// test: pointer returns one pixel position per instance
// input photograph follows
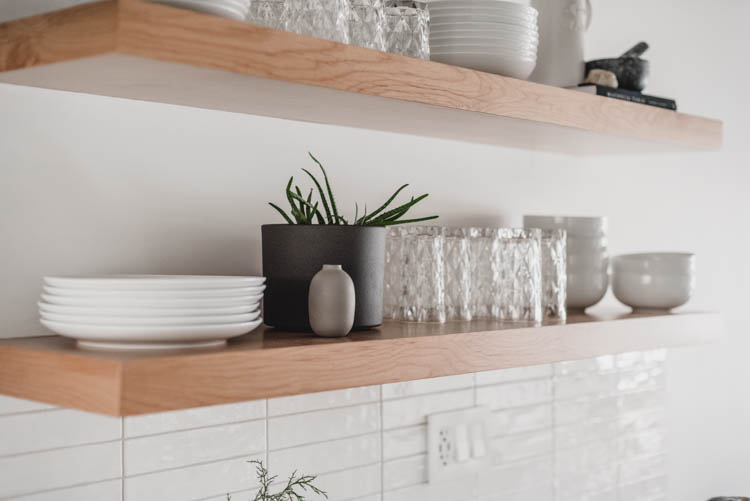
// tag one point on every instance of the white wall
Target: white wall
(92, 184)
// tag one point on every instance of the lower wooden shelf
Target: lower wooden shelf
(269, 363)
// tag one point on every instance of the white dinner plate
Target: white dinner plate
(120, 302)
(117, 321)
(136, 337)
(103, 311)
(491, 63)
(155, 282)
(489, 37)
(222, 10)
(138, 294)
(467, 17)
(483, 49)
(484, 11)
(492, 4)
(504, 29)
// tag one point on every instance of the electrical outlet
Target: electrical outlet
(457, 443)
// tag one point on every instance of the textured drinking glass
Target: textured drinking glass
(327, 19)
(407, 29)
(393, 287)
(267, 13)
(457, 255)
(420, 278)
(516, 263)
(367, 24)
(483, 273)
(554, 273)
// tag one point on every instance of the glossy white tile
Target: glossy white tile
(403, 472)
(651, 489)
(514, 374)
(56, 428)
(640, 469)
(184, 448)
(10, 405)
(39, 471)
(351, 484)
(110, 490)
(402, 442)
(319, 426)
(520, 419)
(511, 448)
(503, 396)
(414, 410)
(459, 489)
(322, 400)
(324, 457)
(162, 422)
(423, 386)
(193, 482)
(512, 477)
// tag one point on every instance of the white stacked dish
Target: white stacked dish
(151, 311)
(487, 35)
(587, 256)
(232, 9)
(653, 281)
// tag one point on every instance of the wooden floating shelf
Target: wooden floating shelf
(137, 50)
(269, 363)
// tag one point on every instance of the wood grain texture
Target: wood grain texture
(357, 81)
(268, 363)
(81, 31)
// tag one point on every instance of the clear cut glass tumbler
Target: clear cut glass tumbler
(516, 262)
(367, 24)
(328, 19)
(267, 13)
(407, 29)
(554, 274)
(457, 256)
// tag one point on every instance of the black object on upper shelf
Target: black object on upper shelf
(628, 95)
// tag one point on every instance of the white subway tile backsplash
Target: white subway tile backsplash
(518, 476)
(403, 442)
(39, 471)
(514, 374)
(11, 405)
(520, 419)
(506, 395)
(640, 469)
(324, 457)
(322, 400)
(110, 490)
(411, 411)
(193, 482)
(423, 386)
(511, 448)
(184, 448)
(351, 484)
(318, 426)
(403, 472)
(150, 424)
(463, 488)
(646, 490)
(56, 428)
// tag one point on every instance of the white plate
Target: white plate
(149, 282)
(103, 311)
(136, 337)
(456, 24)
(490, 63)
(228, 11)
(485, 36)
(493, 4)
(468, 17)
(491, 44)
(170, 321)
(482, 10)
(138, 294)
(119, 302)
(483, 49)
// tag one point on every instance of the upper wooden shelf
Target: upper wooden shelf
(137, 50)
(269, 363)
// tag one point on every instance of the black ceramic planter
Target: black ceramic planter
(292, 254)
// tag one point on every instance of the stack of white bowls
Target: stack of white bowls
(588, 258)
(151, 311)
(232, 9)
(653, 281)
(486, 35)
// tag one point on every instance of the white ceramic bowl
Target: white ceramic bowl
(524, 17)
(482, 27)
(658, 281)
(483, 42)
(482, 49)
(575, 226)
(586, 287)
(468, 16)
(530, 38)
(498, 63)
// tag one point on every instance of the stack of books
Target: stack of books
(627, 95)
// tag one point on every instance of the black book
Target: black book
(627, 95)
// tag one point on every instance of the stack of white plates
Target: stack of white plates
(486, 35)
(233, 9)
(151, 311)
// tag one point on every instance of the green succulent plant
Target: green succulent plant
(306, 210)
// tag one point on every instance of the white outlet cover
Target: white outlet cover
(443, 434)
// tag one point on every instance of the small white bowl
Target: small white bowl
(656, 281)
(586, 287)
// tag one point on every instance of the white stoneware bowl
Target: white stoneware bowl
(656, 281)
(586, 287)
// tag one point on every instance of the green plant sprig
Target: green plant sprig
(289, 492)
(303, 210)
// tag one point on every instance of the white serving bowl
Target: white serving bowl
(575, 226)
(585, 287)
(498, 63)
(658, 281)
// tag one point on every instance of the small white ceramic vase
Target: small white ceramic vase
(330, 302)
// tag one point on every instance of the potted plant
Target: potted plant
(315, 234)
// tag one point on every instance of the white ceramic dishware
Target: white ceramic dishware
(470, 16)
(522, 32)
(135, 337)
(226, 9)
(121, 302)
(515, 67)
(147, 312)
(155, 282)
(155, 293)
(190, 320)
(483, 49)
(653, 281)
